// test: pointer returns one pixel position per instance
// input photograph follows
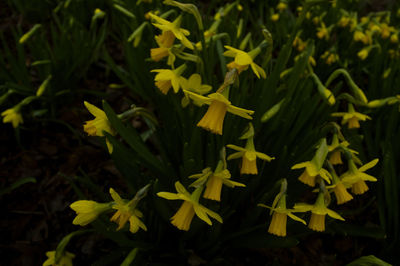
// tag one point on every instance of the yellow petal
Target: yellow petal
(97, 112)
(368, 165)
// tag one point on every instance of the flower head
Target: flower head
(96, 126)
(215, 180)
(173, 27)
(341, 193)
(87, 211)
(352, 117)
(218, 106)
(191, 206)
(311, 172)
(65, 259)
(355, 177)
(279, 216)
(363, 53)
(336, 149)
(193, 84)
(323, 32)
(126, 211)
(243, 60)
(165, 42)
(167, 78)
(318, 212)
(12, 115)
(249, 156)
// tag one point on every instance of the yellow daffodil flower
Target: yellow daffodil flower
(336, 148)
(191, 206)
(355, 177)
(275, 17)
(281, 6)
(351, 117)
(299, 44)
(173, 27)
(96, 126)
(193, 84)
(330, 57)
(363, 53)
(323, 32)
(279, 217)
(218, 106)
(318, 213)
(126, 211)
(394, 38)
(165, 42)
(243, 60)
(87, 211)
(214, 181)
(65, 259)
(13, 116)
(249, 156)
(311, 172)
(167, 78)
(341, 193)
(344, 21)
(386, 30)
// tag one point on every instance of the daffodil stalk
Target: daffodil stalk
(358, 93)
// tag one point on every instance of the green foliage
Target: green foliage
(317, 69)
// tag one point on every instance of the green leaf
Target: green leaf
(17, 184)
(321, 154)
(131, 256)
(64, 242)
(130, 135)
(370, 260)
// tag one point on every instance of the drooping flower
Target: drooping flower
(351, 118)
(13, 116)
(360, 36)
(194, 84)
(275, 17)
(167, 78)
(65, 259)
(165, 42)
(281, 6)
(215, 180)
(191, 206)
(218, 106)
(279, 217)
(323, 32)
(249, 156)
(363, 53)
(341, 193)
(336, 149)
(355, 177)
(299, 44)
(318, 212)
(243, 60)
(330, 57)
(87, 211)
(126, 211)
(96, 126)
(311, 172)
(173, 27)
